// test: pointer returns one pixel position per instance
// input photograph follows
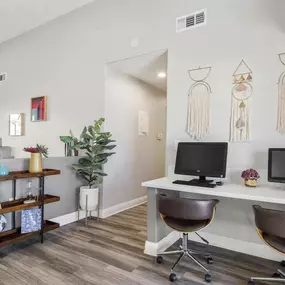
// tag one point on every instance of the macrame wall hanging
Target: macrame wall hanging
(198, 120)
(240, 126)
(281, 99)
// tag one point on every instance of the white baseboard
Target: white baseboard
(73, 217)
(123, 206)
(255, 249)
(153, 249)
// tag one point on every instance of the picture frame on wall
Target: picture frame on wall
(17, 124)
(39, 109)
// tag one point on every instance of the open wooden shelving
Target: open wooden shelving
(26, 174)
(18, 205)
(14, 235)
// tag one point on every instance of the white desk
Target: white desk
(264, 193)
(233, 227)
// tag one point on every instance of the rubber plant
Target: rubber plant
(97, 146)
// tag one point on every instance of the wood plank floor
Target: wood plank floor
(111, 252)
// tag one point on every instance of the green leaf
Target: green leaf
(92, 132)
(109, 147)
(66, 139)
(87, 136)
(83, 132)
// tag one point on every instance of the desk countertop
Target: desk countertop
(265, 193)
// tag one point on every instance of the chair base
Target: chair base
(185, 251)
(277, 277)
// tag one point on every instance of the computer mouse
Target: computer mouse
(219, 183)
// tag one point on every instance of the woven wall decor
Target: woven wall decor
(281, 99)
(240, 125)
(198, 119)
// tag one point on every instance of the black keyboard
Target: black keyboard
(191, 183)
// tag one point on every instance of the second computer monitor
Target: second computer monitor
(202, 159)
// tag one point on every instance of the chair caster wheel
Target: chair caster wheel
(208, 278)
(210, 260)
(159, 259)
(251, 282)
(282, 263)
(276, 275)
(172, 277)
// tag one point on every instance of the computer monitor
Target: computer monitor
(276, 165)
(201, 159)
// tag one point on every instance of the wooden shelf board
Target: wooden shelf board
(26, 174)
(18, 205)
(14, 236)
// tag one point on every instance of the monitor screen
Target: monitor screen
(276, 165)
(202, 159)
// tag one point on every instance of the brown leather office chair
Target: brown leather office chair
(270, 226)
(186, 216)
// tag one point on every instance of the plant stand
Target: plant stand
(86, 210)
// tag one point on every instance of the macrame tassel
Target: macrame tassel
(198, 113)
(281, 106)
(240, 120)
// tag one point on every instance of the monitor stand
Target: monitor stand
(201, 181)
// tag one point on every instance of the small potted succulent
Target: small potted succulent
(37, 152)
(250, 177)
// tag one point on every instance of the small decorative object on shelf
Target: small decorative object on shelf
(250, 177)
(3, 223)
(30, 198)
(36, 164)
(3, 170)
(31, 220)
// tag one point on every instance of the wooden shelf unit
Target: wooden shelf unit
(26, 174)
(18, 205)
(14, 235)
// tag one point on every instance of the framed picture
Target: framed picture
(39, 109)
(16, 124)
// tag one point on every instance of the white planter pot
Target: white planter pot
(92, 194)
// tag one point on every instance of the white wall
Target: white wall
(137, 158)
(65, 60)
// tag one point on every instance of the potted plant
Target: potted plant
(36, 164)
(250, 177)
(96, 145)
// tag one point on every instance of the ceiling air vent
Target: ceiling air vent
(3, 77)
(190, 21)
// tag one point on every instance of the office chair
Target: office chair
(186, 216)
(270, 226)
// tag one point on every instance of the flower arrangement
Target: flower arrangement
(250, 177)
(38, 149)
(36, 157)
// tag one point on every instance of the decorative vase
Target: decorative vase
(92, 198)
(250, 182)
(36, 164)
(3, 170)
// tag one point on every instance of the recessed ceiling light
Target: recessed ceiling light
(161, 74)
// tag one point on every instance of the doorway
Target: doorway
(135, 112)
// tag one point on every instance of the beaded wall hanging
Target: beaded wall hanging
(281, 99)
(198, 120)
(240, 125)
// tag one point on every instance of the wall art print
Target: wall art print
(39, 109)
